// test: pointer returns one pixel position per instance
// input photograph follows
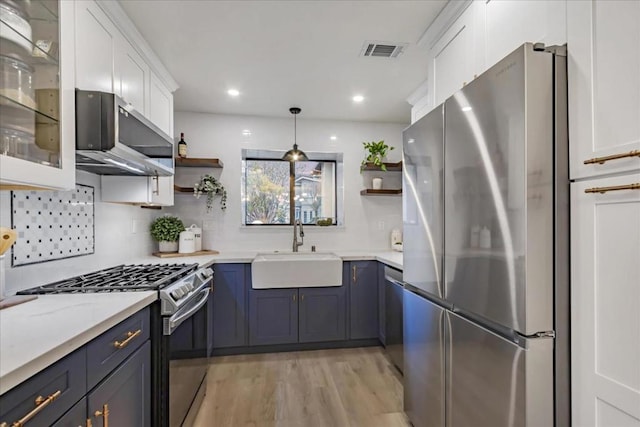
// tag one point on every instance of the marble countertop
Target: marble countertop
(36, 334)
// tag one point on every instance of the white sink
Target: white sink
(296, 270)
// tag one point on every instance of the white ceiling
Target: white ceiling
(280, 54)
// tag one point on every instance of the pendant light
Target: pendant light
(295, 155)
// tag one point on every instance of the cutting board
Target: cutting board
(15, 300)
(176, 254)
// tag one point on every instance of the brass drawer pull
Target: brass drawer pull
(602, 190)
(602, 160)
(293, 297)
(104, 414)
(353, 274)
(130, 335)
(41, 403)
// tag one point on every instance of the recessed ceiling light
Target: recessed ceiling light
(465, 109)
(246, 132)
(358, 98)
(333, 137)
(233, 92)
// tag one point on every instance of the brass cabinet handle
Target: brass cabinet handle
(602, 160)
(41, 403)
(354, 278)
(130, 335)
(89, 423)
(602, 190)
(293, 297)
(302, 297)
(104, 414)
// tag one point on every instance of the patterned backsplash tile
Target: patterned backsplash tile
(52, 224)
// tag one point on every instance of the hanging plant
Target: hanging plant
(377, 151)
(210, 186)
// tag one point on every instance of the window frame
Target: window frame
(292, 191)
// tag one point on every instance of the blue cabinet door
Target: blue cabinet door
(126, 392)
(75, 417)
(363, 299)
(322, 314)
(273, 316)
(230, 305)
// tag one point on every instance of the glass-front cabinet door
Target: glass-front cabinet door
(37, 99)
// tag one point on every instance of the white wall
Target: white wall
(114, 242)
(368, 220)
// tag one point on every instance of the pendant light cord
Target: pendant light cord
(295, 132)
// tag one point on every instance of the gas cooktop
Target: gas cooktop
(122, 278)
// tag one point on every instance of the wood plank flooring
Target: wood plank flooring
(325, 388)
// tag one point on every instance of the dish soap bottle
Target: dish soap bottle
(182, 146)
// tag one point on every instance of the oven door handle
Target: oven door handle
(176, 320)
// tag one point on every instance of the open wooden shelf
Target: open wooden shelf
(189, 162)
(371, 192)
(391, 167)
(178, 189)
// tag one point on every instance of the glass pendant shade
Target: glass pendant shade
(295, 155)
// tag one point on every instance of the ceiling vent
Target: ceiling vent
(382, 49)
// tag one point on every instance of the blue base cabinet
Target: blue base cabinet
(99, 384)
(273, 316)
(362, 277)
(322, 314)
(125, 393)
(230, 305)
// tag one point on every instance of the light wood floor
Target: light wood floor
(325, 388)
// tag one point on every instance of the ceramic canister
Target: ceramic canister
(197, 232)
(187, 242)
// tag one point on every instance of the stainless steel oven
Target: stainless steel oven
(185, 348)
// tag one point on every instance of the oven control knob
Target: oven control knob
(207, 272)
(177, 293)
(189, 286)
(185, 289)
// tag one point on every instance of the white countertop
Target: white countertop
(36, 334)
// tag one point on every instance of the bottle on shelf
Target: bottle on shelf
(182, 146)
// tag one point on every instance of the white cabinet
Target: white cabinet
(605, 317)
(454, 57)
(132, 77)
(604, 85)
(509, 24)
(160, 105)
(37, 142)
(95, 42)
(138, 190)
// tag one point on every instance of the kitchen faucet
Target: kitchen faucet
(296, 245)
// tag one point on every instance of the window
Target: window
(269, 191)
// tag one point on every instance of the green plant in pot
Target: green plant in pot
(376, 153)
(210, 186)
(166, 231)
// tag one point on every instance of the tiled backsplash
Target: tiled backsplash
(52, 224)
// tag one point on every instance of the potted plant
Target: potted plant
(166, 231)
(377, 151)
(210, 186)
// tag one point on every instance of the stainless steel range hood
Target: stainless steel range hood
(114, 139)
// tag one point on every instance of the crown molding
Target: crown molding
(447, 16)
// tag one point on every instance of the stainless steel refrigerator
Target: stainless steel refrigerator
(485, 198)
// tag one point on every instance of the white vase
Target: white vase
(165, 246)
(377, 183)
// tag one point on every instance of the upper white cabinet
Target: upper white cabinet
(37, 95)
(96, 39)
(160, 105)
(132, 76)
(454, 57)
(468, 37)
(113, 57)
(604, 85)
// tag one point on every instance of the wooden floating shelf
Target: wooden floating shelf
(176, 254)
(391, 167)
(178, 189)
(188, 162)
(371, 192)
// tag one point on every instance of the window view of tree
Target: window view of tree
(267, 194)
